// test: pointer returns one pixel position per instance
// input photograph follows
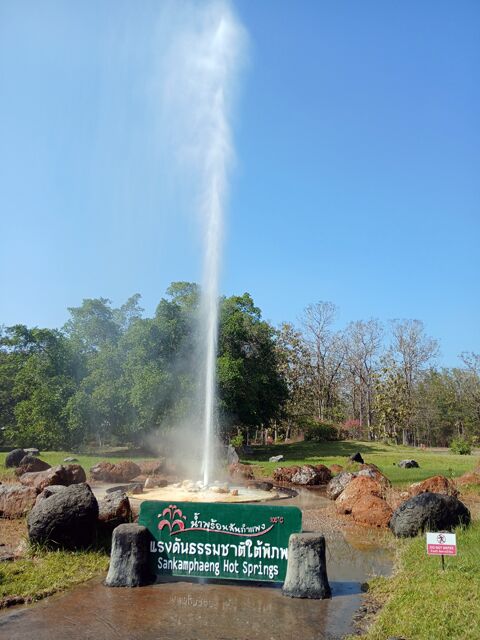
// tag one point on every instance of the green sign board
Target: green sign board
(218, 540)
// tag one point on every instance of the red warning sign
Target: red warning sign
(441, 544)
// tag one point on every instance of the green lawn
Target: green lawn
(42, 573)
(328, 453)
(57, 457)
(384, 456)
(422, 602)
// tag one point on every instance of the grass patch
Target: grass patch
(383, 455)
(43, 573)
(423, 602)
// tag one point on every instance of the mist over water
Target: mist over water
(202, 64)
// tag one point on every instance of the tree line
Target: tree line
(112, 375)
(378, 381)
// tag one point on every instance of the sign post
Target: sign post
(219, 540)
(442, 544)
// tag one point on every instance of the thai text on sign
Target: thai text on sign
(216, 540)
(441, 544)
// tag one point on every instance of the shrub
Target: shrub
(461, 446)
(315, 431)
(237, 441)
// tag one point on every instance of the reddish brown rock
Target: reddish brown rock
(16, 500)
(125, 470)
(356, 489)
(336, 468)
(64, 475)
(309, 475)
(240, 471)
(369, 465)
(471, 477)
(151, 467)
(436, 484)
(103, 471)
(374, 472)
(338, 483)
(122, 471)
(372, 511)
(31, 463)
(396, 498)
(41, 479)
(75, 474)
(114, 509)
(324, 473)
(285, 474)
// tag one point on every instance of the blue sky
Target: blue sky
(358, 149)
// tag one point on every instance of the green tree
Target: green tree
(128, 313)
(251, 388)
(44, 381)
(13, 354)
(159, 362)
(471, 362)
(99, 409)
(445, 409)
(93, 324)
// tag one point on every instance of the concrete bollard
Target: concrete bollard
(129, 557)
(306, 569)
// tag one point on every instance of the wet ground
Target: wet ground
(184, 611)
